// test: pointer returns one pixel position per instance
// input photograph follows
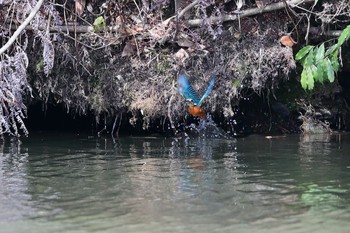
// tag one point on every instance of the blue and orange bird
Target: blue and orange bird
(185, 88)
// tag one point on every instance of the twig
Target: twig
(76, 60)
(334, 33)
(120, 122)
(176, 2)
(308, 29)
(192, 23)
(104, 128)
(187, 8)
(115, 122)
(245, 13)
(22, 26)
(177, 15)
(120, 117)
(169, 109)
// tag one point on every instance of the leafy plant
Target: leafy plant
(320, 64)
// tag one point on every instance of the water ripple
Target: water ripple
(174, 185)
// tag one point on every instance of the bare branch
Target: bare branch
(193, 22)
(22, 27)
(187, 8)
(245, 13)
(330, 33)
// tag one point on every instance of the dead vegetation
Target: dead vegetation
(128, 62)
(314, 122)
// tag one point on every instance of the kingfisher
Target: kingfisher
(185, 88)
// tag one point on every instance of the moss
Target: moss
(39, 67)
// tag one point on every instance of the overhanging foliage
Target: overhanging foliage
(123, 56)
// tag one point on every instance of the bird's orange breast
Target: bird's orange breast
(196, 111)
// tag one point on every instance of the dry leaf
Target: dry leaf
(287, 41)
(184, 42)
(130, 31)
(128, 50)
(237, 35)
(157, 32)
(181, 55)
(79, 6)
(260, 4)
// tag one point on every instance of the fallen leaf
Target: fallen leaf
(130, 31)
(79, 6)
(181, 55)
(128, 50)
(287, 41)
(184, 42)
(260, 4)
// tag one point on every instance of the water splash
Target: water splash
(206, 129)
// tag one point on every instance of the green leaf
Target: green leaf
(99, 24)
(307, 80)
(325, 69)
(310, 78)
(321, 72)
(331, 50)
(320, 64)
(99, 20)
(309, 60)
(335, 61)
(303, 79)
(39, 67)
(303, 52)
(344, 36)
(330, 70)
(315, 73)
(235, 83)
(320, 53)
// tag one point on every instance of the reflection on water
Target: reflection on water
(65, 183)
(316, 144)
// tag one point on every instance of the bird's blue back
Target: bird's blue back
(187, 91)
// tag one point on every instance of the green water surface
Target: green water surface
(78, 183)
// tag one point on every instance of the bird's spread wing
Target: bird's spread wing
(186, 89)
(207, 92)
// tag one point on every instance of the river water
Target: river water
(56, 182)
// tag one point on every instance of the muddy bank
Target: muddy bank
(115, 65)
